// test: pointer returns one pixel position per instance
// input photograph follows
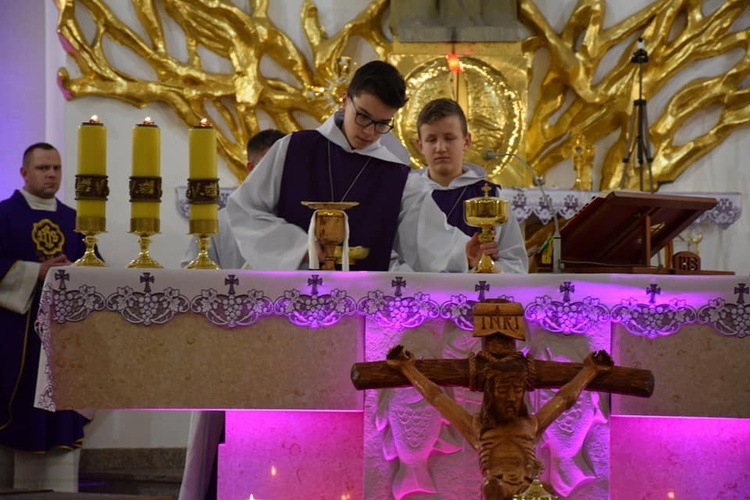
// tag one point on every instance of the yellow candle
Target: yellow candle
(146, 163)
(208, 211)
(203, 151)
(203, 166)
(92, 160)
(92, 147)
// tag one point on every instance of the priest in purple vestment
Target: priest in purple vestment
(345, 159)
(36, 234)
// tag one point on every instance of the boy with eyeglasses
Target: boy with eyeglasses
(345, 159)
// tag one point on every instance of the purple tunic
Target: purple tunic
(31, 235)
(451, 202)
(376, 184)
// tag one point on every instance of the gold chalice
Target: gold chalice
(485, 212)
(330, 227)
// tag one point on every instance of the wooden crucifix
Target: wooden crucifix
(503, 432)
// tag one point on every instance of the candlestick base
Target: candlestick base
(89, 257)
(144, 259)
(203, 261)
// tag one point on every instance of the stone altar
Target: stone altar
(283, 341)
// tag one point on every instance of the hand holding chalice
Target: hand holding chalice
(485, 212)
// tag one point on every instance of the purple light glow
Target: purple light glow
(282, 454)
(651, 457)
(679, 457)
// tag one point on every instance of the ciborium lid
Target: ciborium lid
(485, 210)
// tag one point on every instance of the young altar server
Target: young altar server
(345, 159)
(442, 138)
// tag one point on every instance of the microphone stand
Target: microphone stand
(539, 182)
(637, 138)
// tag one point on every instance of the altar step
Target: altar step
(148, 472)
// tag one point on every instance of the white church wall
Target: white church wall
(21, 90)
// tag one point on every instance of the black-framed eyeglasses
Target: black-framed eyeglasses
(364, 121)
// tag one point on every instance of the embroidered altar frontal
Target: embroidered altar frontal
(203, 322)
(130, 338)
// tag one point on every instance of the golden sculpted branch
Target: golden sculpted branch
(577, 97)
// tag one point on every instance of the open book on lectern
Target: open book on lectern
(620, 231)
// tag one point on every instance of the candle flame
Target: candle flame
(147, 121)
(94, 119)
(204, 122)
(454, 63)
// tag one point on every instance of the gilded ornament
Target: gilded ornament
(577, 92)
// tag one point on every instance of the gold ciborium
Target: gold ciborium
(485, 212)
(330, 227)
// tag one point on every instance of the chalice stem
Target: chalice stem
(486, 264)
(330, 258)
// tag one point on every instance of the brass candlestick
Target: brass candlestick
(90, 227)
(145, 196)
(330, 227)
(203, 192)
(485, 212)
(203, 261)
(91, 197)
(144, 228)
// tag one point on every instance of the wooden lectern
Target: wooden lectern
(619, 232)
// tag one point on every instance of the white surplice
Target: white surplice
(430, 244)
(267, 241)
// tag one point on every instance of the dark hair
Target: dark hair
(437, 109)
(263, 140)
(382, 80)
(37, 145)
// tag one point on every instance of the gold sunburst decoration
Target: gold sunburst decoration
(498, 113)
(576, 96)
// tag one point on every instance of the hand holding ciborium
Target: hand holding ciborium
(330, 229)
(485, 212)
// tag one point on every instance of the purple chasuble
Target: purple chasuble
(376, 184)
(451, 202)
(31, 235)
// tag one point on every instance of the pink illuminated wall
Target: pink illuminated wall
(291, 454)
(685, 458)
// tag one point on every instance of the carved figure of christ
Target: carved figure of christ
(503, 432)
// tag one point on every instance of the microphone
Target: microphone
(538, 182)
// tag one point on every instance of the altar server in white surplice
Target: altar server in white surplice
(429, 235)
(349, 158)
